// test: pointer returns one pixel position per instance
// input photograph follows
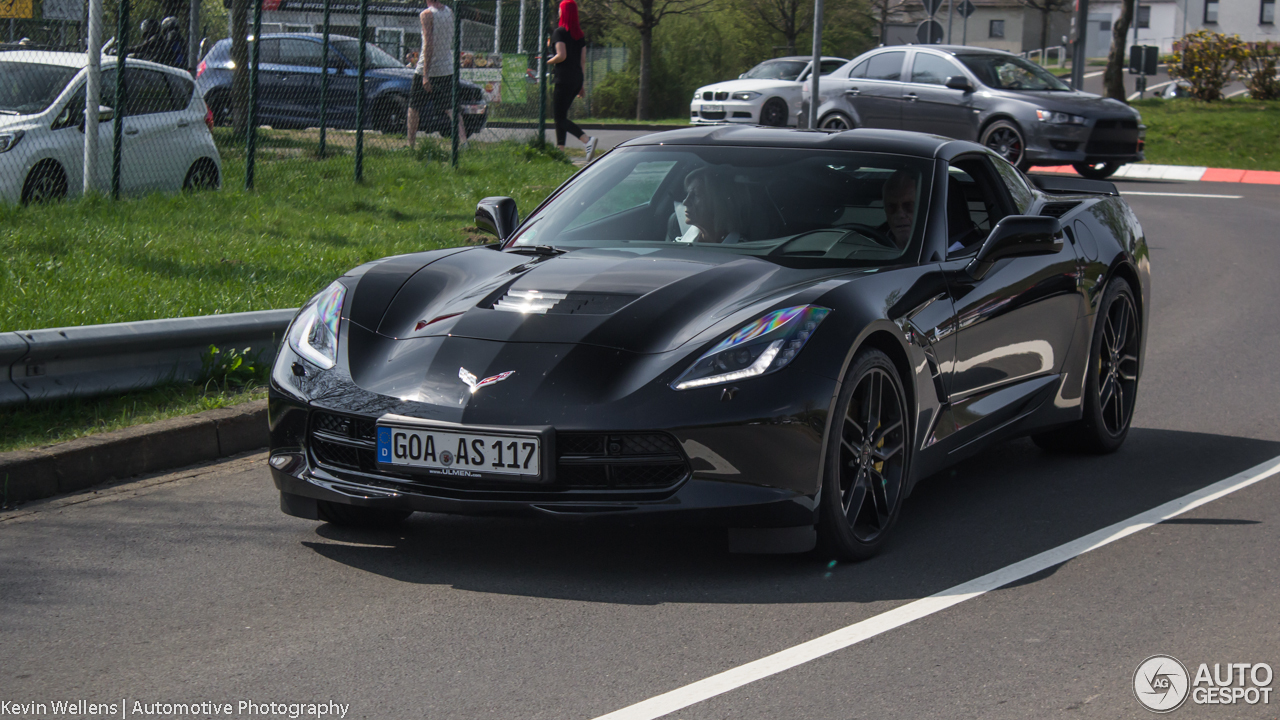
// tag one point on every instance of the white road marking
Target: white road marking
(1095, 74)
(1241, 91)
(707, 688)
(1153, 88)
(1198, 195)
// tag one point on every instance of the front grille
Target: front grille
(583, 460)
(712, 115)
(708, 95)
(722, 95)
(742, 114)
(1113, 137)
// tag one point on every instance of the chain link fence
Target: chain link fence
(181, 105)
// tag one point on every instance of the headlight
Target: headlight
(314, 333)
(1059, 118)
(697, 94)
(8, 140)
(747, 95)
(757, 348)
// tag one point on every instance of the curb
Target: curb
(177, 442)
(1190, 173)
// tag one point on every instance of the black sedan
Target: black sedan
(777, 331)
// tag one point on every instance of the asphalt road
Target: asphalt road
(193, 586)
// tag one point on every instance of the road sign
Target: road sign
(929, 32)
(15, 8)
(931, 6)
(62, 9)
(965, 9)
(1143, 59)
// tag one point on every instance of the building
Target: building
(1162, 22)
(1009, 25)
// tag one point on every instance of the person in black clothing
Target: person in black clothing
(571, 55)
(174, 53)
(151, 46)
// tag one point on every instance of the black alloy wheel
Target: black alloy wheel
(774, 113)
(836, 121)
(355, 516)
(203, 175)
(1006, 139)
(46, 182)
(1111, 381)
(868, 455)
(1097, 171)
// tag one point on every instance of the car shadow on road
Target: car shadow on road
(1002, 506)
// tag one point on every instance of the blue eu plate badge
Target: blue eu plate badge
(384, 444)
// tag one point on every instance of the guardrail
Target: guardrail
(98, 359)
(1041, 55)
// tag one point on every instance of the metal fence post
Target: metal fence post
(251, 132)
(363, 59)
(324, 76)
(457, 73)
(542, 72)
(93, 98)
(117, 134)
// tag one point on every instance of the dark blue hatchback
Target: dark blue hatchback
(289, 75)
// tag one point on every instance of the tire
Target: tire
(1111, 380)
(391, 115)
(1097, 171)
(219, 103)
(203, 175)
(869, 445)
(837, 122)
(475, 124)
(1006, 138)
(47, 182)
(774, 113)
(355, 516)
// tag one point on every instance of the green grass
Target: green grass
(1236, 133)
(28, 426)
(95, 261)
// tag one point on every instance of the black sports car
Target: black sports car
(777, 331)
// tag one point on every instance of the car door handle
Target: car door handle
(130, 130)
(911, 97)
(183, 123)
(853, 91)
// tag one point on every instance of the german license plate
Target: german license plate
(712, 107)
(451, 452)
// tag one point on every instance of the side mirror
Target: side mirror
(959, 82)
(497, 216)
(1017, 236)
(106, 114)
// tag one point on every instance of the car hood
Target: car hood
(1076, 103)
(17, 122)
(640, 303)
(749, 84)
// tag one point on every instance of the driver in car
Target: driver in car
(900, 205)
(711, 208)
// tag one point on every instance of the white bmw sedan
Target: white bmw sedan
(767, 94)
(166, 140)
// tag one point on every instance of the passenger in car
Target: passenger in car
(900, 205)
(713, 206)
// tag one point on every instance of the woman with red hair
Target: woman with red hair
(570, 58)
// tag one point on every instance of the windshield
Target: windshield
(27, 88)
(375, 56)
(777, 70)
(1004, 72)
(820, 207)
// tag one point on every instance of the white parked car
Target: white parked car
(767, 94)
(166, 145)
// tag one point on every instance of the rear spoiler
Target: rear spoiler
(1066, 185)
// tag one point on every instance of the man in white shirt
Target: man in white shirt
(432, 89)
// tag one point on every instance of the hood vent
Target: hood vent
(1058, 209)
(536, 302)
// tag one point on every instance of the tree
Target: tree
(644, 16)
(789, 18)
(1113, 78)
(881, 11)
(1047, 8)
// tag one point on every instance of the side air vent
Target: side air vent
(547, 303)
(1057, 210)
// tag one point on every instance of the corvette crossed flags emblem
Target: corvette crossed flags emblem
(475, 385)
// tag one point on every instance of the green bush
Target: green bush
(615, 96)
(1263, 81)
(1208, 61)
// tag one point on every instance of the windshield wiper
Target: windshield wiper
(537, 250)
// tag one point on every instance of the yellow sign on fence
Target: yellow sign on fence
(15, 8)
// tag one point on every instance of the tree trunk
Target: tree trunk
(646, 62)
(1113, 78)
(240, 74)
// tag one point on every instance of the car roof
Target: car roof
(79, 60)
(948, 49)
(898, 142)
(803, 58)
